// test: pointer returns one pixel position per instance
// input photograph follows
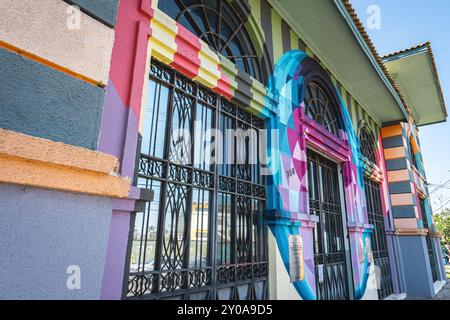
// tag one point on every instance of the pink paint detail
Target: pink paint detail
(139, 67)
(418, 209)
(319, 138)
(303, 205)
(187, 60)
(146, 9)
(284, 192)
(224, 85)
(120, 119)
(385, 202)
(128, 51)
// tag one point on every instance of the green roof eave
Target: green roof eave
(415, 72)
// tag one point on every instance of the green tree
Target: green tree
(442, 222)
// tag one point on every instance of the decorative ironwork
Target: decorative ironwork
(431, 256)
(367, 143)
(379, 240)
(329, 249)
(222, 26)
(320, 107)
(204, 233)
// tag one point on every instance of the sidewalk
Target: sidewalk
(444, 294)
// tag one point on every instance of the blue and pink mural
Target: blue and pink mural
(288, 199)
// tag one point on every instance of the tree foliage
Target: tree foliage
(442, 222)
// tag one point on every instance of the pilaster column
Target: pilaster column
(411, 236)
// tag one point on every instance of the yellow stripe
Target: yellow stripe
(208, 73)
(164, 32)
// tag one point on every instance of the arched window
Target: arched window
(367, 142)
(321, 108)
(221, 26)
(375, 214)
(412, 154)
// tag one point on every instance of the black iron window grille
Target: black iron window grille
(379, 240)
(222, 25)
(329, 248)
(320, 107)
(429, 240)
(204, 236)
(376, 218)
(367, 144)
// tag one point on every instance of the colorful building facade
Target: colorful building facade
(316, 191)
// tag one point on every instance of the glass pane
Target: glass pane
(217, 23)
(243, 230)
(198, 250)
(153, 137)
(175, 227)
(258, 231)
(145, 231)
(224, 223)
(227, 153)
(203, 153)
(180, 142)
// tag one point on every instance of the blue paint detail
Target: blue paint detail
(287, 77)
(396, 164)
(354, 143)
(45, 103)
(400, 187)
(104, 11)
(393, 142)
(400, 212)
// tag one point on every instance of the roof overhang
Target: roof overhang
(415, 72)
(331, 32)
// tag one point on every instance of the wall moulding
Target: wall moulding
(42, 163)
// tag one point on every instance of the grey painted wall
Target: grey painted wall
(416, 266)
(42, 233)
(46, 103)
(104, 11)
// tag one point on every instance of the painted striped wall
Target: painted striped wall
(55, 71)
(400, 175)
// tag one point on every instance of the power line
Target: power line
(443, 206)
(444, 185)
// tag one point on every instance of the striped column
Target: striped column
(400, 178)
(409, 234)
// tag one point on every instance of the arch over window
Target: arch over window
(367, 142)
(221, 26)
(320, 106)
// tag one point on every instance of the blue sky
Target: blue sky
(404, 24)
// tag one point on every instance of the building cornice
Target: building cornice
(35, 162)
